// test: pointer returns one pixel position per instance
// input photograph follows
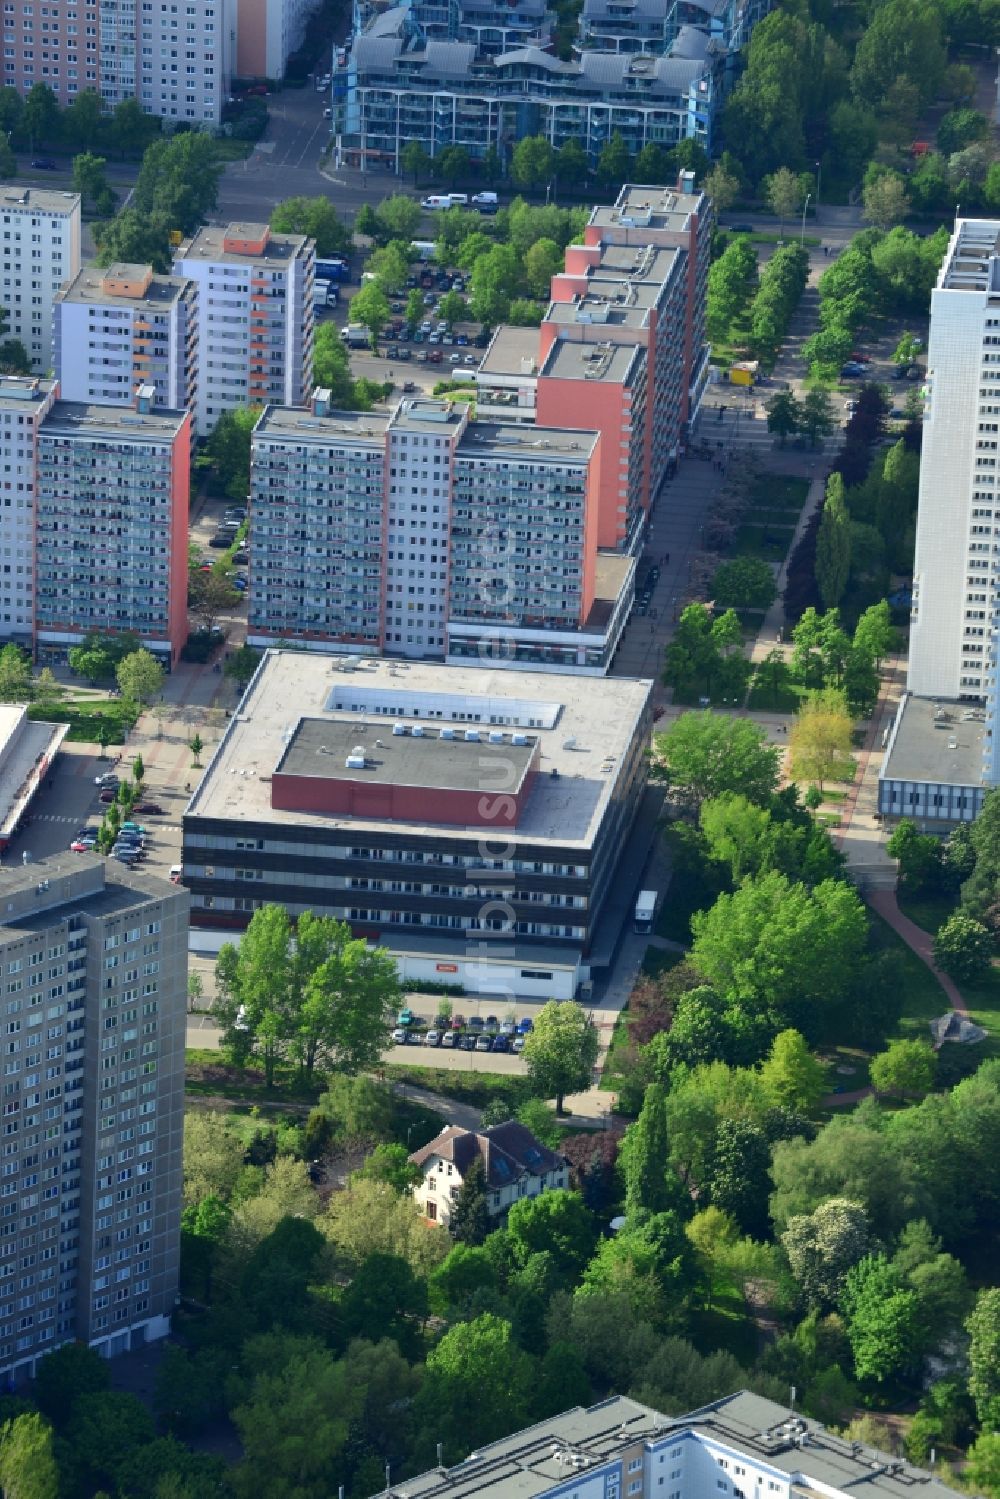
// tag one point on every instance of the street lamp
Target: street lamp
(819, 175)
(805, 208)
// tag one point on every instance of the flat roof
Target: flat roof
(518, 440)
(209, 241)
(509, 347)
(649, 207)
(86, 418)
(611, 573)
(36, 200)
(89, 286)
(122, 888)
(970, 262)
(585, 727)
(320, 748)
(23, 391)
(599, 360)
(303, 425)
(540, 1458)
(937, 739)
(426, 414)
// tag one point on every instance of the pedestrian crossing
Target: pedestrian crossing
(82, 818)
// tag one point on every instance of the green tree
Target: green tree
(905, 1069)
(399, 216)
(791, 1076)
(963, 948)
(254, 991)
(414, 308)
(723, 187)
(466, 1271)
(816, 419)
(652, 164)
(614, 162)
(241, 664)
(140, 677)
(11, 110)
(543, 260)
(131, 127)
(874, 633)
(744, 583)
(823, 1246)
(40, 117)
(531, 162)
(371, 308)
(883, 1319)
(196, 745)
(706, 754)
(294, 1425)
(711, 1233)
(643, 1157)
(8, 161)
(496, 277)
(982, 1468)
(561, 1050)
(390, 267)
(332, 368)
(476, 1386)
(470, 1220)
(318, 221)
(983, 1327)
(783, 948)
(556, 1223)
(731, 280)
(833, 544)
(885, 200)
(90, 172)
(903, 42)
(210, 595)
(571, 164)
(103, 1431)
(452, 308)
(136, 237)
(773, 676)
(82, 119)
(381, 1298)
(415, 159)
(179, 180)
(784, 415)
(343, 995)
(783, 190)
(737, 1180)
(28, 1467)
(453, 164)
(228, 450)
(15, 675)
(820, 739)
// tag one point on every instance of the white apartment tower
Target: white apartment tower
(255, 317)
(118, 329)
(94, 966)
(24, 404)
(39, 253)
(956, 584)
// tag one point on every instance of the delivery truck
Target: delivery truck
(645, 910)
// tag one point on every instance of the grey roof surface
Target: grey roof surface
(658, 208)
(534, 57)
(508, 1152)
(592, 724)
(519, 440)
(690, 42)
(87, 419)
(374, 52)
(89, 286)
(22, 392)
(319, 749)
(508, 347)
(122, 888)
(530, 1462)
(427, 414)
(207, 244)
(449, 57)
(935, 740)
(611, 573)
(604, 363)
(36, 200)
(388, 22)
(300, 423)
(652, 10)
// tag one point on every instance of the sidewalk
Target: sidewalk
(922, 943)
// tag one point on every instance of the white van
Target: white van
(436, 203)
(458, 200)
(485, 200)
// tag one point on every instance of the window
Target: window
(431, 1211)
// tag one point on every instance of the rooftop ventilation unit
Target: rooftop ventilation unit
(472, 735)
(356, 759)
(518, 738)
(399, 728)
(417, 731)
(447, 733)
(496, 736)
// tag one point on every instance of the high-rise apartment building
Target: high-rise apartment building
(956, 580)
(175, 59)
(112, 525)
(117, 329)
(427, 535)
(255, 317)
(55, 44)
(24, 404)
(39, 253)
(94, 966)
(267, 33)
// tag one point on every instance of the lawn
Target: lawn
(613, 1071)
(86, 716)
(769, 542)
(726, 1324)
(785, 700)
(778, 492)
(928, 911)
(475, 1088)
(923, 997)
(656, 961)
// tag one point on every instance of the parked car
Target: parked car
(458, 1022)
(433, 1038)
(484, 1043)
(435, 356)
(82, 845)
(461, 339)
(404, 354)
(476, 1023)
(408, 387)
(518, 1043)
(45, 164)
(508, 1027)
(524, 1025)
(130, 826)
(414, 1038)
(450, 1039)
(501, 1043)
(399, 1036)
(108, 795)
(468, 1042)
(107, 779)
(741, 229)
(405, 1017)
(492, 1022)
